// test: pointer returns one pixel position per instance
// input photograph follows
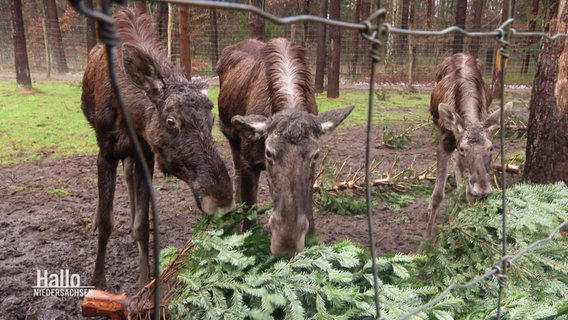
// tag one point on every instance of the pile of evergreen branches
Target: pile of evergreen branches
(469, 244)
(234, 276)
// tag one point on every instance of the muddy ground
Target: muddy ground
(47, 207)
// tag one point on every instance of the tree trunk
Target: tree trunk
(410, 43)
(213, 38)
(170, 30)
(141, 5)
(306, 11)
(429, 11)
(321, 50)
(461, 11)
(355, 53)
(256, 22)
(23, 77)
(160, 16)
(391, 40)
(90, 28)
(184, 40)
(334, 51)
(476, 26)
(54, 33)
(46, 46)
(403, 42)
(530, 40)
(496, 85)
(547, 135)
(365, 46)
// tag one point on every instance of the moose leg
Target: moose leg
(140, 197)
(236, 152)
(249, 189)
(129, 167)
(248, 180)
(106, 174)
(457, 169)
(442, 164)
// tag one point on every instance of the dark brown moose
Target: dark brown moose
(459, 106)
(269, 115)
(172, 118)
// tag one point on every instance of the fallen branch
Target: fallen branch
(510, 168)
(356, 179)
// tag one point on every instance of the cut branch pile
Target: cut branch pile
(356, 179)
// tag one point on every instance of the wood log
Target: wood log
(102, 303)
(510, 168)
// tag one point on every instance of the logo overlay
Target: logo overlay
(59, 284)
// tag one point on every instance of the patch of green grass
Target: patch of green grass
(396, 106)
(48, 121)
(45, 122)
(57, 192)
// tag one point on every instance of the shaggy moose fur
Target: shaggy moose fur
(172, 118)
(459, 104)
(268, 113)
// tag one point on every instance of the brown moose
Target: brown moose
(459, 106)
(269, 115)
(172, 118)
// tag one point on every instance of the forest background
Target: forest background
(58, 39)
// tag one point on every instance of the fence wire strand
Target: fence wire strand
(375, 29)
(376, 42)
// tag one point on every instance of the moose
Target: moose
(171, 117)
(269, 115)
(459, 107)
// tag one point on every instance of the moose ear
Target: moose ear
(449, 119)
(492, 122)
(251, 127)
(203, 87)
(142, 71)
(332, 118)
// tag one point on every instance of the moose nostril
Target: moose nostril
(480, 191)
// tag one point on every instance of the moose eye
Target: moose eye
(269, 155)
(316, 155)
(171, 122)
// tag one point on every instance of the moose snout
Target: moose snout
(283, 246)
(478, 190)
(287, 238)
(210, 205)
